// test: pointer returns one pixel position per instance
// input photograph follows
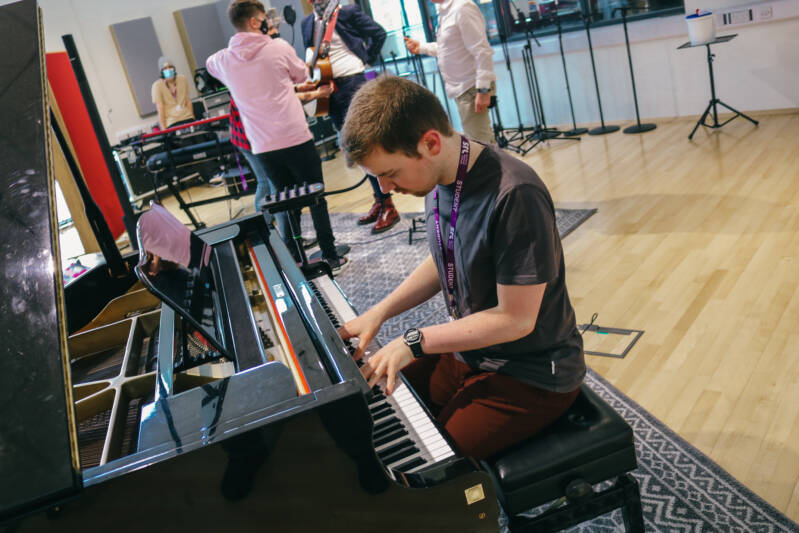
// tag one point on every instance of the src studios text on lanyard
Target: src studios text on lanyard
(448, 253)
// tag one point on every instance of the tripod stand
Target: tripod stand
(715, 102)
(517, 140)
(638, 128)
(540, 131)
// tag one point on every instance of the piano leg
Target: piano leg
(348, 423)
(245, 456)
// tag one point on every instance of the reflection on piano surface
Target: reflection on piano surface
(276, 418)
(140, 415)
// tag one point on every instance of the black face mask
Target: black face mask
(264, 27)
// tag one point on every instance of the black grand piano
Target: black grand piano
(235, 406)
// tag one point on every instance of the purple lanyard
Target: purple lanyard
(448, 253)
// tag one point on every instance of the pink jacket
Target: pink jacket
(260, 73)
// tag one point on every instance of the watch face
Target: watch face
(412, 335)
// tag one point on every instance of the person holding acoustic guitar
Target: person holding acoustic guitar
(351, 40)
(263, 76)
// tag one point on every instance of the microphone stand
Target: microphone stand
(637, 128)
(575, 130)
(540, 132)
(603, 129)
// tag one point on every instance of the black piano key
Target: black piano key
(405, 452)
(394, 435)
(383, 410)
(413, 463)
(392, 426)
(379, 397)
(397, 426)
(398, 447)
(383, 425)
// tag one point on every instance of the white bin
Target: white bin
(701, 27)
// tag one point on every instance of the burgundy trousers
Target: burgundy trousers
(484, 412)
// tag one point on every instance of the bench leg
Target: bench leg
(623, 494)
(631, 511)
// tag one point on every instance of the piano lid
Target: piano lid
(38, 457)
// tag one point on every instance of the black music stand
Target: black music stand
(714, 102)
(558, 15)
(603, 129)
(638, 127)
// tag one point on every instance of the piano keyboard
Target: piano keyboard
(405, 437)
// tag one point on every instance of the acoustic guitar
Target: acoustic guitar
(321, 70)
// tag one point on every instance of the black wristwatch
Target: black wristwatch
(413, 338)
(486, 90)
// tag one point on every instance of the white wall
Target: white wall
(756, 71)
(88, 22)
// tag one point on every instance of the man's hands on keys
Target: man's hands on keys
(387, 361)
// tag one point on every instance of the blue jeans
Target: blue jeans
(339, 104)
(264, 187)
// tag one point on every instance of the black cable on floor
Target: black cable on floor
(348, 189)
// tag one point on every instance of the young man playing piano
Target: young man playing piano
(263, 76)
(355, 42)
(511, 359)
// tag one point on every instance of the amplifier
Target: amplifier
(216, 104)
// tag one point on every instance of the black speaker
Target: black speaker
(206, 83)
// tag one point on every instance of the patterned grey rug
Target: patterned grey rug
(681, 488)
(381, 262)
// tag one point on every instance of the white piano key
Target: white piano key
(415, 420)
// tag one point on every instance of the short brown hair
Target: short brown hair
(392, 113)
(240, 11)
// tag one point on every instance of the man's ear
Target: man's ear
(430, 143)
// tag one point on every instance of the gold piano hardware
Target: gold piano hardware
(474, 494)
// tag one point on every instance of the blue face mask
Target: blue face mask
(168, 73)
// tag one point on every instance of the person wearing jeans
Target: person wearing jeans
(262, 75)
(356, 41)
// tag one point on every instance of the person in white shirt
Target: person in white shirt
(465, 60)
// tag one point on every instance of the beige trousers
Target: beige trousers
(476, 126)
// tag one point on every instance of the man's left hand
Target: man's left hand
(481, 102)
(389, 360)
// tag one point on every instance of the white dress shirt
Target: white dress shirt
(465, 58)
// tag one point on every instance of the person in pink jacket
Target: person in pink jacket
(264, 76)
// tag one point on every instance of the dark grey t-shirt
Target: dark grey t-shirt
(506, 233)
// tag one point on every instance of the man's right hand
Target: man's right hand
(324, 90)
(412, 45)
(365, 327)
(305, 86)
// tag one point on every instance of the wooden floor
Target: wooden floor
(697, 243)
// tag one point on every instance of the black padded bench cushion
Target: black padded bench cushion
(590, 442)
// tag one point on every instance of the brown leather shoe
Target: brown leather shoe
(372, 215)
(388, 217)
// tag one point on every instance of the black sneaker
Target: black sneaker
(338, 265)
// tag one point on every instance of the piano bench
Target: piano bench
(589, 444)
